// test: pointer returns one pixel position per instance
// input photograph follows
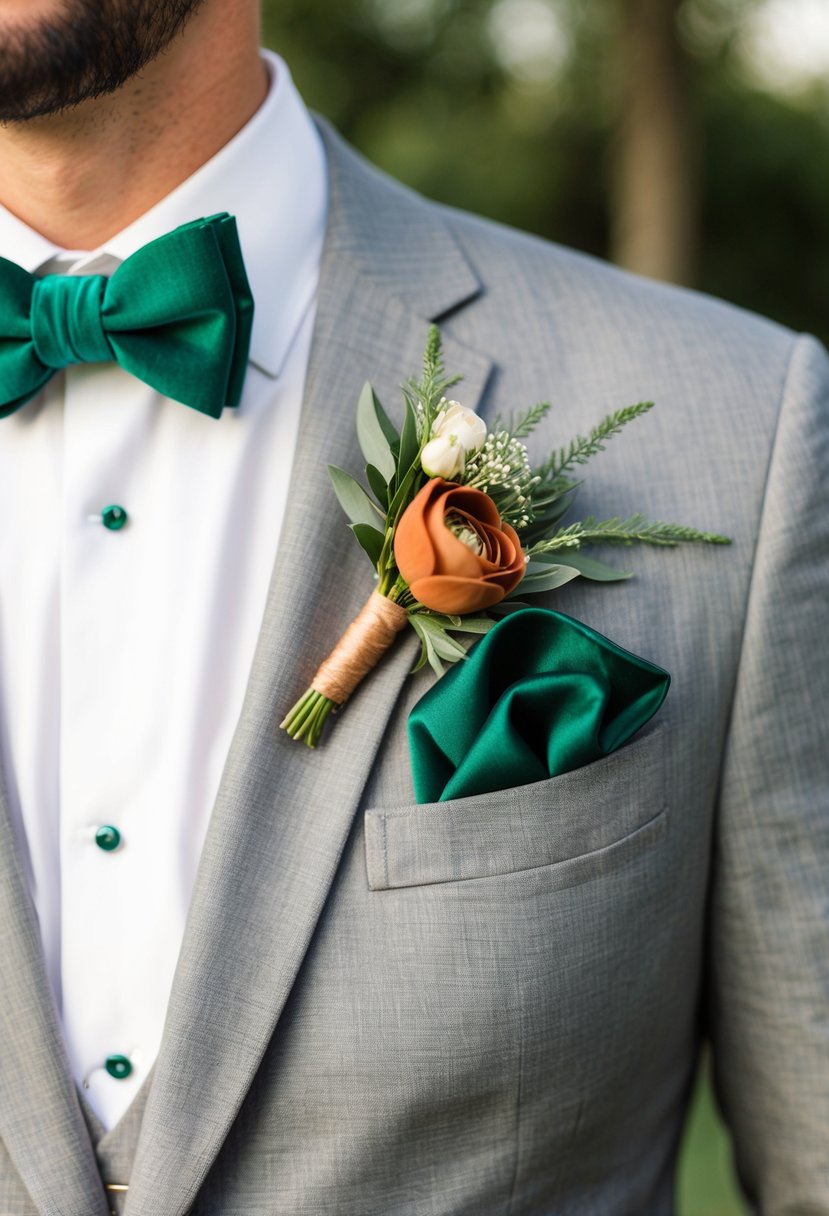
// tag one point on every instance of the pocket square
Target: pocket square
(540, 695)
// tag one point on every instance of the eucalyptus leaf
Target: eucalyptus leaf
(428, 647)
(388, 427)
(353, 499)
(597, 571)
(546, 513)
(554, 509)
(374, 443)
(379, 486)
(465, 624)
(444, 645)
(447, 648)
(371, 540)
(409, 443)
(434, 659)
(403, 493)
(542, 577)
(422, 659)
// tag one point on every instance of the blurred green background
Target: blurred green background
(684, 139)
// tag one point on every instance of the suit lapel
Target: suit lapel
(41, 1122)
(283, 813)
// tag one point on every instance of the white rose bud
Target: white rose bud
(443, 457)
(454, 421)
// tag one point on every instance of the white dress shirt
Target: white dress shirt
(125, 653)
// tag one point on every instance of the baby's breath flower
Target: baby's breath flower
(502, 469)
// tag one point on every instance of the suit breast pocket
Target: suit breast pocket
(580, 825)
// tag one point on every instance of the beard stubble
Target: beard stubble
(85, 50)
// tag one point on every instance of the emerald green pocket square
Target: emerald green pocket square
(540, 695)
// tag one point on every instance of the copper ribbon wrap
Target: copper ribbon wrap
(360, 649)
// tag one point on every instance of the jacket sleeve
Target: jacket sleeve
(768, 984)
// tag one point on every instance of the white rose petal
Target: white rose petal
(443, 457)
(463, 426)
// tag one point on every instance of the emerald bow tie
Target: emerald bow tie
(177, 314)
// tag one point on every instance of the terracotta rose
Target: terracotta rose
(453, 550)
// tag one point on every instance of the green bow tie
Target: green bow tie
(177, 314)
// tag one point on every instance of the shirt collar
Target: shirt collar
(272, 176)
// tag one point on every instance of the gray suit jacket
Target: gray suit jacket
(495, 1005)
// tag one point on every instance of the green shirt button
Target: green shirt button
(108, 838)
(114, 517)
(118, 1067)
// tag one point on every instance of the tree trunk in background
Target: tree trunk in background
(654, 189)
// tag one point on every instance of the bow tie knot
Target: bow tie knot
(67, 326)
(177, 314)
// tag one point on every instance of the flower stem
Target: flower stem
(358, 651)
(307, 718)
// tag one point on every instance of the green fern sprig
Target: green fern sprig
(425, 395)
(637, 529)
(524, 424)
(580, 449)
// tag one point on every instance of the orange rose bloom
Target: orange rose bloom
(449, 574)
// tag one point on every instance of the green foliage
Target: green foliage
(379, 486)
(353, 499)
(765, 217)
(376, 434)
(544, 576)
(634, 530)
(524, 424)
(437, 646)
(425, 90)
(371, 540)
(706, 1182)
(426, 395)
(590, 568)
(554, 491)
(533, 499)
(562, 463)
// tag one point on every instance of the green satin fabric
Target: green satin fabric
(540, 695)
(177, 314)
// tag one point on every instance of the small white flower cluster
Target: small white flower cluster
(456, 434)
(502, 469)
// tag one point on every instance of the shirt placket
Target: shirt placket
(99, 794)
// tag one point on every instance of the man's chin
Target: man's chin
(35, 75)
(56, 54)
(16, 111)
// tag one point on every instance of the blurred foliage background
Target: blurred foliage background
(684, 139)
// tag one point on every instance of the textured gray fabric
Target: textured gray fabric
(115, 1149)
(522, 828)
(496, 1007)
(46, 1158)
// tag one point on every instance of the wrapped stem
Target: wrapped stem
(358, 652)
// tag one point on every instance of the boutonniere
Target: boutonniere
(460, 527)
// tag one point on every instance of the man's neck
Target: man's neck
(79, 177)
